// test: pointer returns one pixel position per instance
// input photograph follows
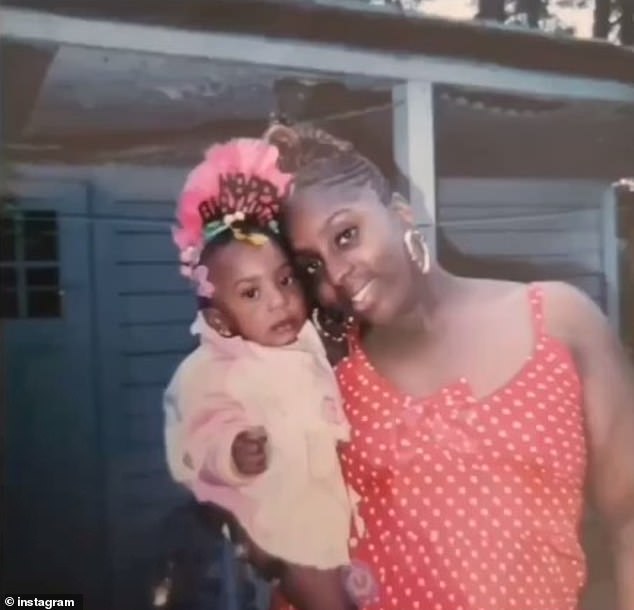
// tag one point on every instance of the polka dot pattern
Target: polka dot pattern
(471, 504)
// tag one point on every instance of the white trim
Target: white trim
(122, 181)
(610, 256)
(312, 57)
(536, 191)
(414, 152)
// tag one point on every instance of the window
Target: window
(29, 265)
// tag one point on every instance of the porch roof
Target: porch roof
(387, 31)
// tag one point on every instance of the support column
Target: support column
(610, 257)
(414, 152)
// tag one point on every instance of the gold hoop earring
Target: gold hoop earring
(338, 337)
(417, 250)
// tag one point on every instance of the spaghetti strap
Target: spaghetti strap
(536, 300)
(353, 338)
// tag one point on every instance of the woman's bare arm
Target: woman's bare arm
(608, 387)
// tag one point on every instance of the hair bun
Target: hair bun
(288, 142)
(301, 145)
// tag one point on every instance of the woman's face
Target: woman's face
(352, 248)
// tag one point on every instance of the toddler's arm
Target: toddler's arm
(211, 434)
(202, 424)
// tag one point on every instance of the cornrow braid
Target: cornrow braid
(319, 160)
(350, 171)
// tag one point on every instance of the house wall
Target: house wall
(51, 471)
(527, 230)
(142, 309)
(141, 312)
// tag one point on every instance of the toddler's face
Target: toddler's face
(256, 293)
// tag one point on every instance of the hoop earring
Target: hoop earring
(417, 250)
(339, 337)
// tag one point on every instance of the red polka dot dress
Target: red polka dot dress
(470, 504)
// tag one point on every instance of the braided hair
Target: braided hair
(318, 160)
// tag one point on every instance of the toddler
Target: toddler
(253, 415)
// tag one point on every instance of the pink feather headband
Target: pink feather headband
(237, 182)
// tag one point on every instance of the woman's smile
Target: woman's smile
(364, 297)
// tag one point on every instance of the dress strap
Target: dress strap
(536, 300)
(353, 339)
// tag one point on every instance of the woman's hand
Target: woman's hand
(249, 451)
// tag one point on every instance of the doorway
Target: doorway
(52, 539)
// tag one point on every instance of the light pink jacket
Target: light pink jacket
(227, 385)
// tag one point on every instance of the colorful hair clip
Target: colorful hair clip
(200, 278)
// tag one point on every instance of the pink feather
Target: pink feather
(248, 156)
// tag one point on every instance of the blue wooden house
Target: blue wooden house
(510, 142)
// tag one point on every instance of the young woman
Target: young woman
(479, 409)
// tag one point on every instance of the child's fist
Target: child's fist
(249, 451)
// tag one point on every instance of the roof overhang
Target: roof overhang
(304, 36)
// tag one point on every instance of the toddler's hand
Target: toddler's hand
(249, 451)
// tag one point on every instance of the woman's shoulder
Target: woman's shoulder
(554, 291)
(491, 289)
(564, 311)
(570, 314)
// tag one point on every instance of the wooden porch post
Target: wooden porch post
(414, 152)
(610, 255)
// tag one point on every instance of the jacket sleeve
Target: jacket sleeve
(201, 423)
